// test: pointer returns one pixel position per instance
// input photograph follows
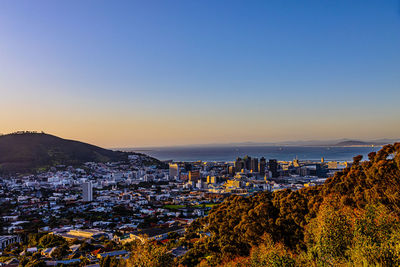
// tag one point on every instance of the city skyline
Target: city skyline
(160, 73)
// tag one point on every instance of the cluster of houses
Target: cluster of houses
(130, 198)
(96, 238)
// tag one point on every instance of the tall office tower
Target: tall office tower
(173, 170)
(254, 164)
(273, 167)
(188, 166)
(262, 165)
(87, 191)
(211, 179)
(194, 176)
(247, 162)
(239, 165)
(321, 171)
(231, 170)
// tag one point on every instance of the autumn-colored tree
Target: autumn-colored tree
(267, 253)
(376, 238)
(110, 262)
(149, 254)
(51, 240)
(322, 225)
(329, 235)
(60, 252)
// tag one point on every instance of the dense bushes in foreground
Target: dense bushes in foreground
(353, 219)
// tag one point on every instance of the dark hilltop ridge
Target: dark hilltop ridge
(379, 142)
(354, 143)
(31, 151)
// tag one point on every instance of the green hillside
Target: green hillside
(351, 220)
(27, 151)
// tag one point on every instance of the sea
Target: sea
(283, 153)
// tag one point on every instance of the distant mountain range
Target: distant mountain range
(336, 142)
(343, 142)
(28, 151)
(353, 143)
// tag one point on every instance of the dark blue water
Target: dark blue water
(269, 152)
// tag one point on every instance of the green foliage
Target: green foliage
(109, 262)
(149, 255)
(271, 255)
(60, 252)
(267, 253)
(36, 263)
(173, 235)
(376, 238)
(13, 248)
(86, 247)
(195, 254)
(329, 235)
(111, 245)
(121, 210)
(31, 151)
(5, 258)
(350, 220)
(50, 240)
(33, 239)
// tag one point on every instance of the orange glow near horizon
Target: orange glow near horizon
(128, 131)
(144, 73)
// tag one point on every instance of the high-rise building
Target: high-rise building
(173, 170)
(239, 165)
(211, 179)
(273, 167)
(87, 191)
(247, 162)
(262, 165)
(320, 170)
(254, 164)
(188, 166)
(194, 176)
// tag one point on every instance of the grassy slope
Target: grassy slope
(23, 152)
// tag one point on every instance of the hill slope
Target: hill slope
(27, 151)
(353, 219)
(352, 143)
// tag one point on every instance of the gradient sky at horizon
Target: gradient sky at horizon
(153, 73)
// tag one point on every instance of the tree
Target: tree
(267, 253)
(111, 245)
(329, 235)
(51, 240)
(60, 252)
(36, 263)
(33, 239)
(376, 238)
(86, 247)
(148, 254)
(109, 262)
(319, 223)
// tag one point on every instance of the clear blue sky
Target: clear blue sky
(137, 73)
